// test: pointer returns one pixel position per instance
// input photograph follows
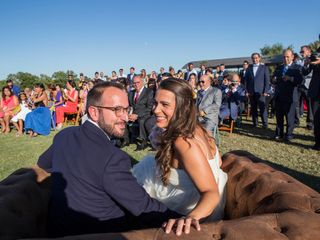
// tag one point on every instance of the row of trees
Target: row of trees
(25, 79)
(277, 49)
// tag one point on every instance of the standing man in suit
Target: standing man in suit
(189, 71)
(131, 75)
(160, 74)
(287, 78)
(221, 72)
(141, 100)
(93, 190)
(258, 79)
(305, 52)
(202, 71)
(242, 74)
(97, 78)
(208, 103)
(121, 73)
(312, 64)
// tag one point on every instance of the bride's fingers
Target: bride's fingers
(187, 225)
(196, 224)
(169, 225)
(180, 225)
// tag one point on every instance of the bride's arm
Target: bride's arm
(198, 168)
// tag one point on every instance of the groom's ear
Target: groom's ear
(93, 113)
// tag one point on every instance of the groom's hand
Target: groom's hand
(181, 225)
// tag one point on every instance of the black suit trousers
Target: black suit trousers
(131, 128)
(258, 100)
(303, 92)
(316, 123)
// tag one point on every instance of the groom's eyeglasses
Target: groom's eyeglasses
(119, 111)
(202, 82)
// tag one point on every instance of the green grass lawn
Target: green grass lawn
(296, 158)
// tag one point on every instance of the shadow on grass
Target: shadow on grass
(257, 132)
(309, 180)
(268, 134)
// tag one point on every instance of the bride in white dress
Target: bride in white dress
(185, 174)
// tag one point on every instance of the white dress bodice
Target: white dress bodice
(180, 194)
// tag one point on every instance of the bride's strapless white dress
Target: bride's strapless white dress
(180, 194)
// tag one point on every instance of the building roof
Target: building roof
(235, 62)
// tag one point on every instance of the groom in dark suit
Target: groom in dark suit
(257, 78)
(93, 189)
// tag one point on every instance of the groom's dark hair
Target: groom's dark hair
(95, 94)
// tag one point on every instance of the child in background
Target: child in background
(18, 119)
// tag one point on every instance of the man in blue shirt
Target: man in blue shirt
(14, 88)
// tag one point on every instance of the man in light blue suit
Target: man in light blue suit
(208, 103)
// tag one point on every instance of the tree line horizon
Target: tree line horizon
(26, 79)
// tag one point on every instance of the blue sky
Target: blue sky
(94, 35)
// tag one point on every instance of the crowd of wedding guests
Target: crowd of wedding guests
(219, 96)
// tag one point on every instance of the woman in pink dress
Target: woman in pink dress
(71, 98)
(8, 104)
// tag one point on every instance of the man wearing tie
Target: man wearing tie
(257, 77)
(287, 78)
(208, 103)
(141, 100)
(202, 71)
(131, 75)
(189, 71)
(242, 74)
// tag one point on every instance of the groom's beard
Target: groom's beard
(110, 129)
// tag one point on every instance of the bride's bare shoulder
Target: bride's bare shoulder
(186, 146)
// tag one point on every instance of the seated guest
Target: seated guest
(8, 105)
(141, 100)
(83, 96)
(114, 76)
(152, 84)
(14, 88)
(208, 103)
(18, 119)
(124, 82)
(193, 83)
(232, 96)
(39, 120)
(28, 93)
(179, 74)
(71, 98)
(57, 98)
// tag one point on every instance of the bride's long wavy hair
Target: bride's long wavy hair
(182, 124)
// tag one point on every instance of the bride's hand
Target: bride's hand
(181, 225)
